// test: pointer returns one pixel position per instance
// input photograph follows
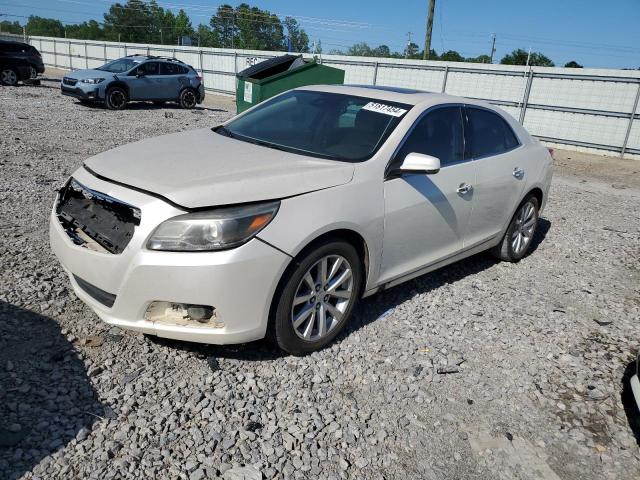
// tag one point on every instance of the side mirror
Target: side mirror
(419, 163)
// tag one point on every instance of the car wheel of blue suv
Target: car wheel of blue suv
(188, 98)
(116, 98)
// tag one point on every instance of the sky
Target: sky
(593, 33)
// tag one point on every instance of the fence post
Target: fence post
(525, 98)
(201, 63)
(86, 56)
(125, 49)
(55, 54)
(375, 73)
(235, 62)
(104, 51)
(633, 114)
(69, 52)
(444, 79)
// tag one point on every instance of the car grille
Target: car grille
(69, 81)
(95, 220)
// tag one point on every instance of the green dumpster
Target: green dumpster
(279, 74)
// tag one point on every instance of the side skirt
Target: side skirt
(485, 245)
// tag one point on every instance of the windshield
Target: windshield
(119, 66)
(320, 124)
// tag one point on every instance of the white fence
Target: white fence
(587, 109)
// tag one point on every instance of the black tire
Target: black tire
(188, 98)
(33, 73)
(281, 328)
(9, 77)
(116, 98)
(506, 250)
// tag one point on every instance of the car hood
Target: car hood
(201, 168)
(91, 73)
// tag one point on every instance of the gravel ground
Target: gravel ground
(481, 370)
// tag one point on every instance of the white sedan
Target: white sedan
(275, 223)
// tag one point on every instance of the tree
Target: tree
(182, 26)
(11, 27)
(297, 37)
(136, 21)
(519, 57)
(360, 49)
(479, 59)
(90, 30)
(412, 50)
(381, 51)
(46, 27)
(450, 56)
(572, 64)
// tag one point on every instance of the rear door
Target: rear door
(426, 216)
(173, 78)
(500, 172)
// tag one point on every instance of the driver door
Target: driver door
(426, 215)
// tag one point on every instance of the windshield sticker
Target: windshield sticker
(386, 109)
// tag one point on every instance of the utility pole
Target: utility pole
(427, 39)
(528, 57)
(161, 39)
(24, 33)
(493, 47)
(406, 50)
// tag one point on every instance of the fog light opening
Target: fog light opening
(183, 314)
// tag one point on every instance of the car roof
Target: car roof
(397, 94)
(144, 58)
(13, 42)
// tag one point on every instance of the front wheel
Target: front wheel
(519, 235)
(9, 76)
(116, 98)
(318, 297)
(188, 98)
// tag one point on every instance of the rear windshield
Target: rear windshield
(119, 66)
(320, 124)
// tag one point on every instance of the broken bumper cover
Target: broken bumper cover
(238, 283)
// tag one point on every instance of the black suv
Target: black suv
(18, 61)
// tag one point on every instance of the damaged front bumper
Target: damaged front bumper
(122, 285)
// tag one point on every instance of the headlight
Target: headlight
(212, 229)
(92, 81)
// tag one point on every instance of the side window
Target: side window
(150, 68)
(440, 134)
(171, 69)
(488, 133)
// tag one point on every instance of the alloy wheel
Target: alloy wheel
(322, 297)
(525, 225)
(189, 99)
(117, 99)
(8, 77)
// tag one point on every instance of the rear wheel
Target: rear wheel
(116, 98)
(188, 98)
(8, 76)
(33, 73)
(318, 297)
(519, 235)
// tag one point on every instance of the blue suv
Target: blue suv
(136, 77)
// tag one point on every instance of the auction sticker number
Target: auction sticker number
(386, 109)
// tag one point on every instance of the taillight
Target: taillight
(552, 152)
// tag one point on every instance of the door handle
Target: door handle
(518, 173)
(464, 188)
